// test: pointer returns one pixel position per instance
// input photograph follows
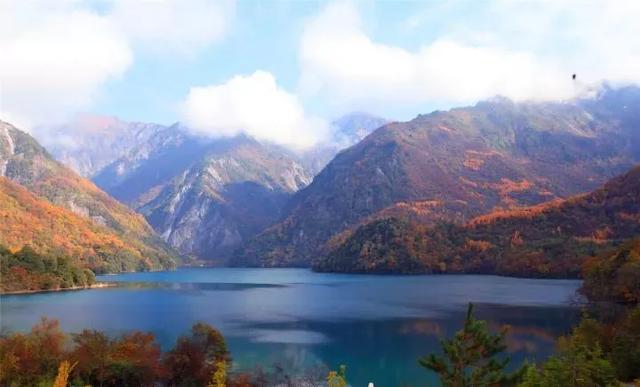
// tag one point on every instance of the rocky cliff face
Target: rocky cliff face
(232, 194)
(205, 196)
(494, 155)
(89, 143)
(140, 173)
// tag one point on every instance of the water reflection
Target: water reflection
(193, 285)
(376, 325)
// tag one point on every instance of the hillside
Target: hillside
(548, 240)
(28, 220)
(614, 275)
(134, 177)
(171, 175)
(495, 155)
(25, 162)
(205, 196)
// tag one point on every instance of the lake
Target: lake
(377, 325)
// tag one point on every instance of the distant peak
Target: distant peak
(357, 115)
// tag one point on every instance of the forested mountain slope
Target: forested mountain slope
(552, 239)
(467, 161)
(55, 192)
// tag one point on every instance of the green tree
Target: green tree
(625, 347)
(580, 363)
(470, 358)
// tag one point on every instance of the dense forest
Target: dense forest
(53, 230)
(27, 270)
(553, 239)
(614, 276)
(92, 358)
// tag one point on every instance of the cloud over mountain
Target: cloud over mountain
(254, 105)
(523, 54)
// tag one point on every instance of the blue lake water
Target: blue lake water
(377, 325)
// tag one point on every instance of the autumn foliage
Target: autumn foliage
(614, 275)
(26, 219)
(549, 240)
(91, 357)
(54, 210)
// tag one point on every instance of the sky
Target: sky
(280, 71)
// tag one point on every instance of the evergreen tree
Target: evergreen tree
(470, 358)
(580, 362)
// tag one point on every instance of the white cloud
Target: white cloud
(57, 56)
(181, 26)
(520, 50)
(54, 60)
(253, 105)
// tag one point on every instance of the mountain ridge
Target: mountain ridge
(171, 179)
(494, 155)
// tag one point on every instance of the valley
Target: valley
(531, 211)
(496, 188)
(327, 193)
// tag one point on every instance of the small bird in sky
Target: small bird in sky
(573, 77)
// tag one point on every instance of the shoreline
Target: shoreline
(98, 285)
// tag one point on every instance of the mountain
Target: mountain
(24, 162)
(88, 143)
(346, 131)
(208, 196)
(351, 128)
(235, 191)
(466, 161)
(552, 239)
(205, 196)
(134, 177)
